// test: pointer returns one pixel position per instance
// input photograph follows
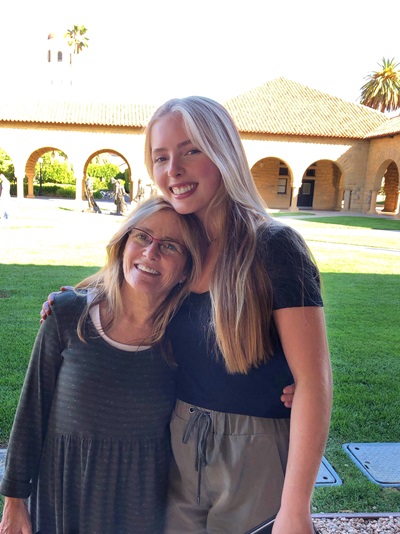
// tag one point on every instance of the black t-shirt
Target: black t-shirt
(202, 377)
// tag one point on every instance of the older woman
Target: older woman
(90, 444)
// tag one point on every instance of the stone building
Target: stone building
(307, 149)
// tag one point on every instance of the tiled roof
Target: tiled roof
(391, 127)
(285, 107)
(280, 107)
(76, 112)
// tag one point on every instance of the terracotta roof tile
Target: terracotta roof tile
(280, 107)
(391, 127)
(76, 112)
(285, 107)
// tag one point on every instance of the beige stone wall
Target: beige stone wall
(25, 143)
(326, 189)
(382, 153)
(349, 156)
(353, 167)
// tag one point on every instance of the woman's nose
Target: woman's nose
(152, 251)
(175, 167)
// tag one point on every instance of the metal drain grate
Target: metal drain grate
(380, 462)
(327, 476)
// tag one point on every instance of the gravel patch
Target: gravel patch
(357, 525)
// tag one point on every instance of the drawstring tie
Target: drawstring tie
(201, 420)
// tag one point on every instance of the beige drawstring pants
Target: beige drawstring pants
(227, 473)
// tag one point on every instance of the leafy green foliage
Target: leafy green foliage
(49, 190)
(382, 88)
(6, 166)
(77, 38)
(54, 169)
(102, 174)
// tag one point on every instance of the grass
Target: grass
(373, 223)
(359, 258)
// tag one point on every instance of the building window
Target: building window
(59, 57)
(282, 186)
(311, 170)
(283, 171)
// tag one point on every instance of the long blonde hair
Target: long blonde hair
(240, 288)
(108, 281)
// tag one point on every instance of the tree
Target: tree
(55, 169)
(76, 38)
(105, 171)
(382, 89)
(6, 166)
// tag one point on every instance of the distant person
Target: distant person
(5, 197)
(90, 445)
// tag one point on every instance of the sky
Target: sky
(148, 51)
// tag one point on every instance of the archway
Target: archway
(321, 187)
(391, 188)
(34, 168)
(273, 179)
(114, 165)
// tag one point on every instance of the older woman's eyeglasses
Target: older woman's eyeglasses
(165, 246)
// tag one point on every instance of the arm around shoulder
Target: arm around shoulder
(46, 306)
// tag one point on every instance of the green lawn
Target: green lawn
(359, 258)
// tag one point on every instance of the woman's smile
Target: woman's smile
(187, 177)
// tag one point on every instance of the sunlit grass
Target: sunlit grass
(360, 265)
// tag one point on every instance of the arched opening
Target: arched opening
(321, 187)
(391, 188)
(102, 169)
(49, 174)
(384, 197)
(273, 179)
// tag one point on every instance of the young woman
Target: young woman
(90, 445)
(252, 324)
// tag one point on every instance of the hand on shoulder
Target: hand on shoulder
(46, 306)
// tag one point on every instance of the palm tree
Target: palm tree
(76, 38)
(382, 89)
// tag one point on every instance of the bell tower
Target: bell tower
(59, 60)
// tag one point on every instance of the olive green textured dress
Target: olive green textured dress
(90, 443)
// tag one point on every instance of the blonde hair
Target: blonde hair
(241, 292)
(108, 281)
